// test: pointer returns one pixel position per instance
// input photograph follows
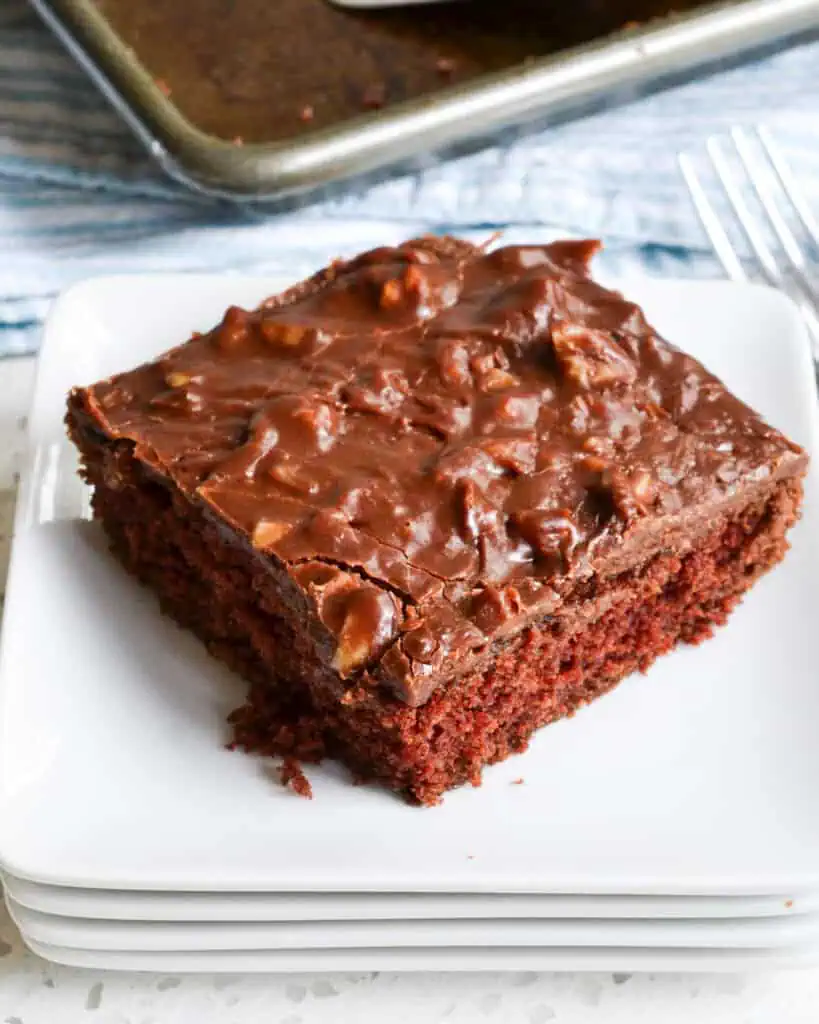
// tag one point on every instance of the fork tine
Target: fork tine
(724, 248)
(763, 253)
(803, 295)
(789, 186)
(711, 223)
(780, 226)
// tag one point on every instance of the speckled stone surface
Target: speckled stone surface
(35, 992)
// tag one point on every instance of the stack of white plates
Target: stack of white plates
(670, 825)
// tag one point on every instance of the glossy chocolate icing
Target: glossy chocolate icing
(438, 443)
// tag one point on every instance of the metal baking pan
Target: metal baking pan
(454, 118)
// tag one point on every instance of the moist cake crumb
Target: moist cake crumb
(292, 776)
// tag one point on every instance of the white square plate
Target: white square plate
(142, 905)
(166, 936)
(698, 777)
(438, 959)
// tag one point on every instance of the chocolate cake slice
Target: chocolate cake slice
(432, 499)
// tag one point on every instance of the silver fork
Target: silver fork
(751, 157)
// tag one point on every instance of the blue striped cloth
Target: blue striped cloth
(78, 196)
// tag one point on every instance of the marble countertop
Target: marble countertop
(35, 992)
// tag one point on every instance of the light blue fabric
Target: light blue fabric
(78, 195)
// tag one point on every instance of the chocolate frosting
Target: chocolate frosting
(438, 442)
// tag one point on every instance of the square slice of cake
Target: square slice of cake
(432, 499)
